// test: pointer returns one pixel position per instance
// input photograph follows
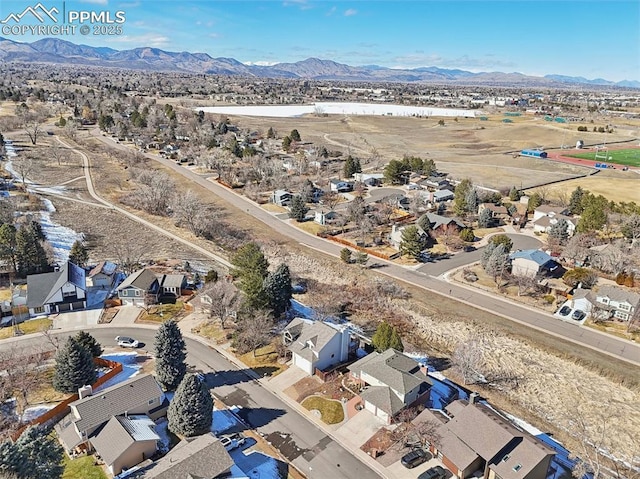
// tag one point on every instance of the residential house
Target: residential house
(475, 441)
(128, 439)
(102, 275)
(617, 302)
(281, 197)
(58, 291)
(437, 182)
(340, 186)
(316, 344)
(397, 201)
(391, 381)
(125, 441)
(369, 179)
(544, 223)
(139, 288)
(172, 284)
(202, 457)
(531, 262)
(323, 218)
(442, 195)
(441, 223)
(579, 300)
(550, 211)
(499, 213)
(395, 237)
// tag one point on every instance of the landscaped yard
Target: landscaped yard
(82, 468)
(28, 327)
(615, 328)
(331, 411)
(265, 360)
(160, 313)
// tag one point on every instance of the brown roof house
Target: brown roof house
(202, 457)
(473, 440)
(140, 288)
(116, 422)
(316, 344)
(391, 380)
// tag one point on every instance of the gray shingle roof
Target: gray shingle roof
(398, 371)
(618, 294)
(120, 433)
(172, 280)
(437, 221)
(383, 398)
(131, 395)
(141, 279)
(312, 339)
(40, 287)
(202, 457)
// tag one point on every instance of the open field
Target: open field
(629, 157)
(613, 185)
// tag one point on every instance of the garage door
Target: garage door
(78, 305)
(64, 307)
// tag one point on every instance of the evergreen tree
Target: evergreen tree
(535, 200)
(171, 352)
(345, 255)
(560, 231)
(298, 209)
(496, 264)
(79, 254)
(11, 462)
(485, 219)
(74, 367)
(286, 143)
(89, 342)
(349, 167)
(412, 242)
(251, 269)
(211, 276)
(424, 223)
(514, 194)
(503, 240)
(277, 286)
(395, 341)
(361, 258)
(8, 247)
(30, 254)
(41, 454)
(385, 337)
(356, 165)
(271, 133)
(575, 202)
(471, 201)
(460, 199)
(191, 410)
(467, 234)
(393, 172)
(593, 218)
(294, 135)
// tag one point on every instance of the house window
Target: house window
(621, 315)
(517, 467)
(604, 300)
(506, 458)
(66, 294)
(39, 309)
(624, 307)
(137, 292)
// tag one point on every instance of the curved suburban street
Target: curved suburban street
(427, 277)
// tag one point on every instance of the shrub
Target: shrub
(549, 298)
(467, 235)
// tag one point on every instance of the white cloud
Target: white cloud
(261, 63)
(146, 40)
(301, 4)
(214, 35)
(350, 12)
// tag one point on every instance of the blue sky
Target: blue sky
(579, 38)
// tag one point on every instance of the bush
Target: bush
(345, 255)
(467, 235)
(549, 298)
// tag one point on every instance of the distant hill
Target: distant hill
(53, 50)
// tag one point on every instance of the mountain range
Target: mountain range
(53, 50)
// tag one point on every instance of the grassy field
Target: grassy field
(162, 312)
(28, 327)
(82, 468)
(331, 411)
(630, 157)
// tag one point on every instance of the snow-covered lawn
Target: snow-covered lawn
(130, 368)
(254, 465)
(34, 412)
(224, 419)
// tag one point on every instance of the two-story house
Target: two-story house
(391, 381)
(102, 275)
(116, 422)
(617, 302)
(316, 344)
(531, 262)
(545, 216)
(140, 288)
(58, 291)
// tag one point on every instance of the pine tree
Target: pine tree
(514, 194)
(349, 167)
(356, 166)
(79, 254)
(294, 135)
(382, 337)
(575, 202)
(286, 143)
(42, 454)
(345, 255)
(496, 264)
(560, 231)
(74, 367)
(89, 342)
(191, 410)
(485, 219)
(171, 352)
(251, 269)
(30, 254)
(271, 132)
(460, 199)
(411, 243)
(361, 258)
(395, 341)
(8, 250)
(471, 201)
(298, 209)
(11, 462)
(277, 286)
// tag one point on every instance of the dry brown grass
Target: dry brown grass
(615, 186)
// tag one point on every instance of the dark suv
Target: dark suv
(436, 472)
(415, 458)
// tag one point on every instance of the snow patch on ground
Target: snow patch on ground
(34, 412)
(162, 429)
(523, 424)
(224, 419)
(60, 237)
(130, 368)
(254, 465)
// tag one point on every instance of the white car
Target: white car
(231, 441)
(126, 342)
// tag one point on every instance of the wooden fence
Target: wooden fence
(356, 247)
(63, 408)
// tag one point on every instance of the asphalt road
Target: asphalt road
(307, 447)
(620, 348)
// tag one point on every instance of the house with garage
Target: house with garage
(340, 186)
(172, 284)
(324, 218)
(550, 211)
(202, 457)
(436, 182)
(474, 440)
(140, 288)
(545, 223)
(531, 262)
(499, 213)
(615, 302)
(369, 179)
(441, 223)
(281, 197)
(395, 237)
(390, 382)
(58, 291)
(317, 344)
(102, 275)
(116, 422)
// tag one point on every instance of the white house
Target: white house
(391, 381)
(323, 218)
(58, 291)
(620, 303)
(530, 262)
(544, 223)
(316, 344)
(369, 179)
(102, 275)
(550, 211)
(281, 197)
(340, 186)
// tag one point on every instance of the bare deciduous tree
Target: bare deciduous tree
(23, 165)
(467, 359)
(225, 300)
(254, 330)
(31, 120)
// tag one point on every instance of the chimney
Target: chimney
(85, 391)
(473, 398)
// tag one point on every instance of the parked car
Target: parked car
(436, 472)
(578, 315)
(415, 458)
(127, 342)
(564, 311)
(231, 441)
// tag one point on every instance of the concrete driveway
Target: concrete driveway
(357, 430)
(398, 471)
(77, 319)
(287, 378)
(126, 315)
